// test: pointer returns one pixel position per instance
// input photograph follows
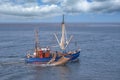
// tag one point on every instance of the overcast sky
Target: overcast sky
(51, 10)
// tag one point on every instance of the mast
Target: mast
(62, 43)
(36, 42)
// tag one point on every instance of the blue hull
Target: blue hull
(44, 60)
(31, 60)
(75, 56)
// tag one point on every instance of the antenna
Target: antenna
(63, 19)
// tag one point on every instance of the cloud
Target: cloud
(30, 11)
(75, 6)
(47, 8)
(95, 6)
(50, 1)
(111, 6)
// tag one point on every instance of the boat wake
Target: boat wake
(11, 60)
(41, 65)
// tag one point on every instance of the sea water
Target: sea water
(99, 58)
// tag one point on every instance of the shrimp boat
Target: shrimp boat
(47, 56)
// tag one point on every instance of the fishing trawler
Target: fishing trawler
(47, 56)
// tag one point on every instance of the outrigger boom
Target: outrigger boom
(63, 43)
